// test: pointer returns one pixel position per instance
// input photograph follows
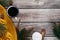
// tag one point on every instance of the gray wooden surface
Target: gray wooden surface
(39, 15)
(37, 27)
(38, 19)
(49, 4)
(47, 38)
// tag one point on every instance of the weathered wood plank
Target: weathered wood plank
(37, 4)
(37, 27)
(46, 38)
(38, 15)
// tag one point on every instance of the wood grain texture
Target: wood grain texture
(38, 15)
(35, 17)
(37, 27)
(45, 4)
(46, 38)
(39, 19)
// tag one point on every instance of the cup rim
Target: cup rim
(8, 9)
